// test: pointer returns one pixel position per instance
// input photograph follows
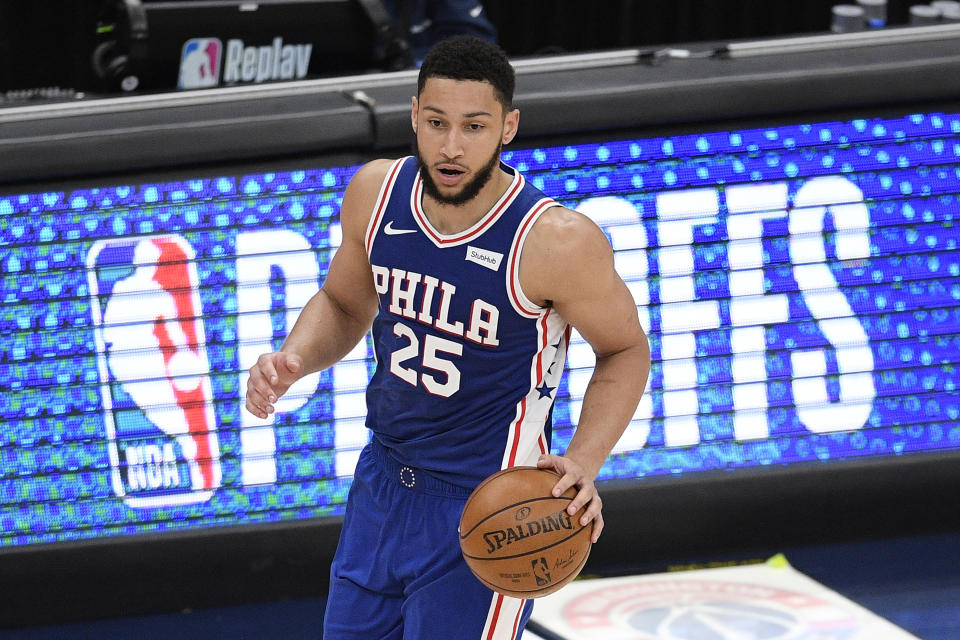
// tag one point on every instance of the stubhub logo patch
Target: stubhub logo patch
(200, 68)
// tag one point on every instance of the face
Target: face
(460, 127)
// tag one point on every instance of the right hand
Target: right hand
(270, 378)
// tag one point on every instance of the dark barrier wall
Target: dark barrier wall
(580, 94)
(784, 223)
(50, 44)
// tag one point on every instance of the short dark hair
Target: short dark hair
(465, 57)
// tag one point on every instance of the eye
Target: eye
(435, 123)
(475, 126)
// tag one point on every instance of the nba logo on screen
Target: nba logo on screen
(200, 63)
(154, 370)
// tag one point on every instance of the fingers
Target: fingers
(269, 379)
(261, 410)
(573, 475)
(260, 397)
(586, 497)
(546, 460)
(569, 471)
(597, 528)
(593, 511)
(265, 368)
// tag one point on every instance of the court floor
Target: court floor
(913, 583)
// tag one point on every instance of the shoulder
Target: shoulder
(371, 175)
(564, 246)
(563, 234)
(361, 194)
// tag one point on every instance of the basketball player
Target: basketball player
(471, 279)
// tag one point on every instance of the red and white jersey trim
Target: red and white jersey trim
(503, 618)
(382, 199)
(489, 218)
(525, 438)
(518, 298)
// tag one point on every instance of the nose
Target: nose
(452, 147)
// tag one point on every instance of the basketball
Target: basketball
(518, 539)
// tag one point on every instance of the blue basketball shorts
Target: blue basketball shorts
(398, 572)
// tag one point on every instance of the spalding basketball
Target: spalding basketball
(518, 539)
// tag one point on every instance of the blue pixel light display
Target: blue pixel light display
(800, 286)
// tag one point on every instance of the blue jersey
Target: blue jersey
(467, 366)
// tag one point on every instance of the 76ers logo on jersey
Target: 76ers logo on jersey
(154, 370)
(200, 63)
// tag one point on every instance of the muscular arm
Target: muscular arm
(568, 262)
(337, 316)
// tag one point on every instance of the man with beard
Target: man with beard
(470, 280)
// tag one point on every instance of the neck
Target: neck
(450, 219)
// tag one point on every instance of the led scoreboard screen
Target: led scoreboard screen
(800, 286)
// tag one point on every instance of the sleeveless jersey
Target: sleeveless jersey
(467, 366)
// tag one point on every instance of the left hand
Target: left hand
(573, 475)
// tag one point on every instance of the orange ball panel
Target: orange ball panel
(518, 539)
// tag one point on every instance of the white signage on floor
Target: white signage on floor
(760, 602)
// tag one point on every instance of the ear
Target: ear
(413, 114)
(510, 125)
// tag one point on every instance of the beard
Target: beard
(469, 190)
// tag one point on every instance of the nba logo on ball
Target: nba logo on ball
(200, 63)
(154, 370)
